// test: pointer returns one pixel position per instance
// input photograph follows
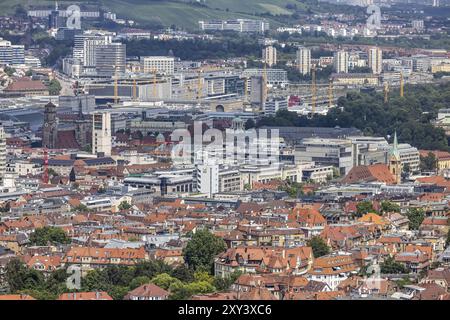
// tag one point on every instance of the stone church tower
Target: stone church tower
(50, 128)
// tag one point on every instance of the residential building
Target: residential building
(304, 60)
(341, 63)
(269, 56)
(376, 60)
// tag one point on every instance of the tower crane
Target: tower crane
(313, 93)
(386, 92)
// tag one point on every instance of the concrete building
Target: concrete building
(11, 54)
(110, 59)
(338, 153)
(275, 77)
(238, 25)
(213, 178)
(272, 106)
(376, 60)
(304, 60)
(101, 133)
(269, 56)
(341, 59)
(158, 64)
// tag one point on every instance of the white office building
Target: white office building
(101, 133)
(158, 64)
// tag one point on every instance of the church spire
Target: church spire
(395, 151)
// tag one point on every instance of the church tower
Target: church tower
(50, 129)
(395, 165)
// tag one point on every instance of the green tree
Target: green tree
(428, 163)
(388, 206)
(200, 251)
(223, 284)
(319, 247)
(54, 87)
(363, 208)
(390, 266)
(124, 205)
(20, 277)
(139, 281)
(416, 217)
(9, 71)
(49, 235)
(165, 281)
(81, 208)
(183, 273)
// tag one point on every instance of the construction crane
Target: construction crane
(134, 90)
(116, 85)
(402, 85)
(199, 86)
(313, 93)
(386, 92)
(265, 89)
(330, 94)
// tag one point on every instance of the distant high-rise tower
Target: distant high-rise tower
(50, 128)
(376, 60)
(304, 60)
(269, 55)
(341, 61)
(101, 133)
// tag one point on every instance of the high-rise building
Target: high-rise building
(341, 61)
(50, 129)
(269, 55)
(11, 54)
(160, 65)
(208, 179)
(2, 154)
(101, 133)
(376, 60)
(304, 60)
(110, 59)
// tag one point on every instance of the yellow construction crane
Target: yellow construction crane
(134, 90)
(199, 86)
(386, 92)
(402, 85)
(265, 88)
(313, 93)
(330, 94)
(116, 85)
